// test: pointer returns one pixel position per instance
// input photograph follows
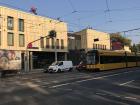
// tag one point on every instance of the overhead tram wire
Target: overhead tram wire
(125, 9)
(103, 11)
(69, 14)
(74, 9)
(66, 15)
(129, 30)
(108, 11)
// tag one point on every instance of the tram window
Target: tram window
(131, 58)
(138, 59)
(111, 59)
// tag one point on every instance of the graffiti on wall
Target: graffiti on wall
(10, 60)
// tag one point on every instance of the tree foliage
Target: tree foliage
(118, 37)
(135, 48)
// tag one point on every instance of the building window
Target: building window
(21, 40)
(0, 21)
(96, 46)
(10, 23)
(57, 43)
(21, 25)
(47, 43)
(62, 44)
(10, 39)
(42, 42)
(53, 43)
(0, 37)
(105, 47)
(102, 47)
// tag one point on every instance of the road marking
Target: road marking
(133, 98)
(60, 85)
(126, 82)
(95, 78)
(103, 94)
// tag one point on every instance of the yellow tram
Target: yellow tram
(107, 60)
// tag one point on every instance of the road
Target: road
(116, 87)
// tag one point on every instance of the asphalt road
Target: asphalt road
(117, 87)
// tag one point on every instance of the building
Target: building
(23, 33)
(88, 39)
(81, 42)
(127, 48)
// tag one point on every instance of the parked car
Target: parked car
(81, 66)
(60, 66)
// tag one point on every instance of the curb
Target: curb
(30, 72)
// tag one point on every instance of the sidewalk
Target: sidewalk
(34, 71)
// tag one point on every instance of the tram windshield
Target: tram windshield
(91, 58)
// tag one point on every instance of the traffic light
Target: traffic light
(52, 34)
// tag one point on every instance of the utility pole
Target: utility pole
(26, 61)
(52, 34)
(55, 50)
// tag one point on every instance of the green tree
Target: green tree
(138, 47)
(120, 38)
(134, 48)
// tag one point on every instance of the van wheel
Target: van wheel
(70, 69)
(59, 70)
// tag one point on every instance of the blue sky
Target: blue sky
(79, 14)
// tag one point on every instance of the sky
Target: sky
(103, 15)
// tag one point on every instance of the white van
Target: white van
(60, 66)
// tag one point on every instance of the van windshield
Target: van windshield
(55, 63)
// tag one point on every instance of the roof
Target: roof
(28, 13)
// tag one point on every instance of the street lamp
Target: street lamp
(52, 34)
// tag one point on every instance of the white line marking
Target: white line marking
(101, 94)
(126, 82)
(60, 85)
(133, 98)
